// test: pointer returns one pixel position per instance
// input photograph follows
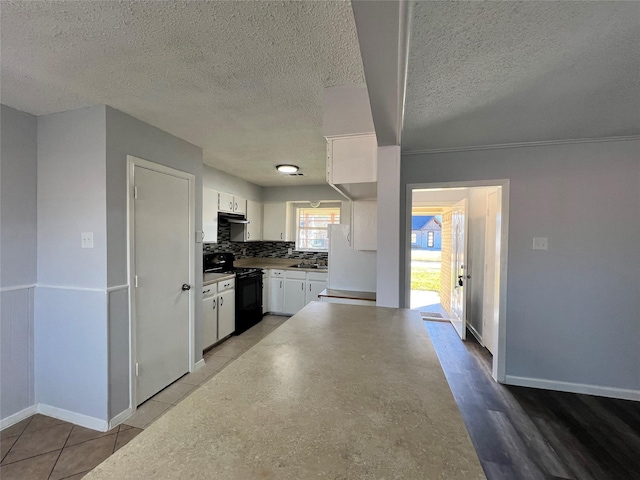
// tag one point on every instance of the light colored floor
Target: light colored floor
(44, 448)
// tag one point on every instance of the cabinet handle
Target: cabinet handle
(280, 283)
(235, 207)
(231, 206)
(221, 301)
(309, 287)
(281, 236)
(302, 285)
(248, 235)
(214, 303)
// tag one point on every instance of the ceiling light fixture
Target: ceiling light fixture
(287, 168)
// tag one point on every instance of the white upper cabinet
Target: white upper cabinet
(251, 231)
(209, 215)
(364, 219)
(352, 165)
(232, 203)
(254, 215)
(275, 225)
(225, 202)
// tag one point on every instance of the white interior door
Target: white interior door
(459, 267)
(161, 224)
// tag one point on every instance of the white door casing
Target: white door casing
(491, 274)
(161, 247)
(459, 268)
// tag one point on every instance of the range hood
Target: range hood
(232, 218)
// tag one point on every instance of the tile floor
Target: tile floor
(41, 448)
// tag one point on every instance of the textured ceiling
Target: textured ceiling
(486, 73)
(243, 80)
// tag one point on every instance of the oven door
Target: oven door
(248, 301)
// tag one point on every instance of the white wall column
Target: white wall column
(388, 258)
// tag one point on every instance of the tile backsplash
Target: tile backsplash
(258, 249)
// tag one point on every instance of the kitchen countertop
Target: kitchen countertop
(350, 294)
(337, 391)
(210, 278)
(279, 263)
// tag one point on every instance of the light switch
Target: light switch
(540, 243)
(86, 239)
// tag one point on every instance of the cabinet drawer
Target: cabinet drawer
(296, 274)
(319, 276)
(209, 290)
(226, 285)
(277, 273)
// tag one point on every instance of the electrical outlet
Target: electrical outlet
(290, 251)
(540, 243)
(86, 239)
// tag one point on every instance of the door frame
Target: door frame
(498, 371)
(133, 162)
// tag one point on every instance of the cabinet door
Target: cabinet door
(313, 289)
(226, 313)
(265, 291)
(239, 205)
(294, 295)
(275, 222)
(209, 215)
(352, 159)
(276, 295)
(225, 202)
(210, 325)
(365, 225)
(254, 215)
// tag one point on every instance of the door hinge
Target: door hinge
(137, 369)
(135, 281)
(135, 192)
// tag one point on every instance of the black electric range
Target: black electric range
(248, 288)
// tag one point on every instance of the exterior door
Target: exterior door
(161, 244)
(459, 267)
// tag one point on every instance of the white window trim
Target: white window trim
(294, 223)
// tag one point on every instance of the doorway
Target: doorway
(161, 270)
(472, 268)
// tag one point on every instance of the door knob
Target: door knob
(185, 287)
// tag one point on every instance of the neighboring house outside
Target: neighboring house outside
(426, 232)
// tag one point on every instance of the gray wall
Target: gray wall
(70, 304)
(126, 135)
(18, 190)
(18, 246)
(572, 311)
(227, 183)
(72, 198)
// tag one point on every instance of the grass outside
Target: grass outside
(425, 279)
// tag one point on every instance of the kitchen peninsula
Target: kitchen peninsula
(338, 391)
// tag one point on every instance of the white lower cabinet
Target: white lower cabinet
(210, 315)
(265, 291)
(294, 294)
(219, 316)
(302, 288)
(226, 313)
(276, 291)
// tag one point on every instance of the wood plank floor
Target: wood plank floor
(526, 433)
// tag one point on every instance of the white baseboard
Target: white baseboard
(121, 417)
(611, 392)
(17, 417)
(199, 364)
(76, 418)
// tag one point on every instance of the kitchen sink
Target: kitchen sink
(306, 265)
